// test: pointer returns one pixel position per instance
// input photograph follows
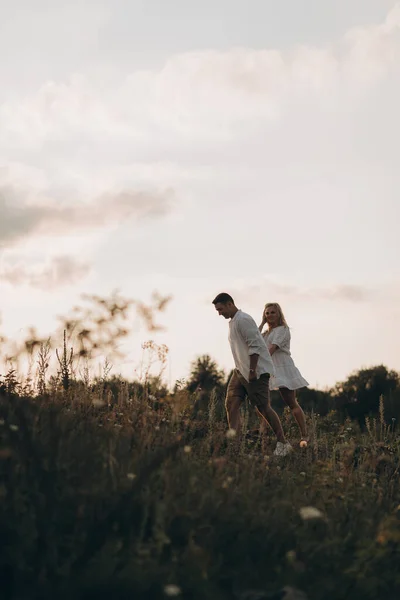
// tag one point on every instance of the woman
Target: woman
(287, 378)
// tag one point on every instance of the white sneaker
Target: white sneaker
(282, 449)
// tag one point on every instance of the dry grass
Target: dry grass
(101, 496)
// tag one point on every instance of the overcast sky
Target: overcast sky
(196, 147)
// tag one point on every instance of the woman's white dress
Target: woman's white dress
(286, 373)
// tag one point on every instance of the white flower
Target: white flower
(291, 556)
(230, 433)
(187, 449)
(131, 476)
(172, 590)
(310, 512)
(227, 482)
(97, 402)
(14, 427)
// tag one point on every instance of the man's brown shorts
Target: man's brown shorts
(257, 391)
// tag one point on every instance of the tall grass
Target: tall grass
(101, 496)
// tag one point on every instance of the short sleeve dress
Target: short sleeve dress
(286, 373)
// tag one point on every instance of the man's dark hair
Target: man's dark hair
(223, 299)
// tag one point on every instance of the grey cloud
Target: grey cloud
(16, 220)
(62, 271)
(19, 218)
(352, 293)
(268, 291)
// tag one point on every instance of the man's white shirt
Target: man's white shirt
(245, 339)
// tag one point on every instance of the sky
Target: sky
(191, 148)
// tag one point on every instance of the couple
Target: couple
(262, 362)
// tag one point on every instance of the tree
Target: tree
(206, 377)
(319, 401)
(359, 395)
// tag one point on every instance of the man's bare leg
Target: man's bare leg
(270, 417)
(232, 406)
(259, 396)
(289, 398)
(234, 397)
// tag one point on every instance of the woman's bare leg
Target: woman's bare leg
(289, 398)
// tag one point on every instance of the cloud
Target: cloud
(272, 291)
(199, 96)
(23, 214)
(59, 272)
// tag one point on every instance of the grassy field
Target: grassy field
(103, 498)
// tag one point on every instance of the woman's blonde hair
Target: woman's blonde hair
(282, 320)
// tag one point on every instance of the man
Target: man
(253, 369)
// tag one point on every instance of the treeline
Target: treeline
(358, 397)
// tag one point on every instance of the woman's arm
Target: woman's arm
(273, 348)
(261, 325)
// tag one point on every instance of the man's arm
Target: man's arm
(255, 343)
(253, 362)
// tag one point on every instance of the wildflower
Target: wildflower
(187, 449)
(291, 556)
(381, 539)
(303, 474)
(97, 402)
(310, 512)
(14, 427)
(227, 482)
(172, 590)
(131, 476)
(231, 433)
